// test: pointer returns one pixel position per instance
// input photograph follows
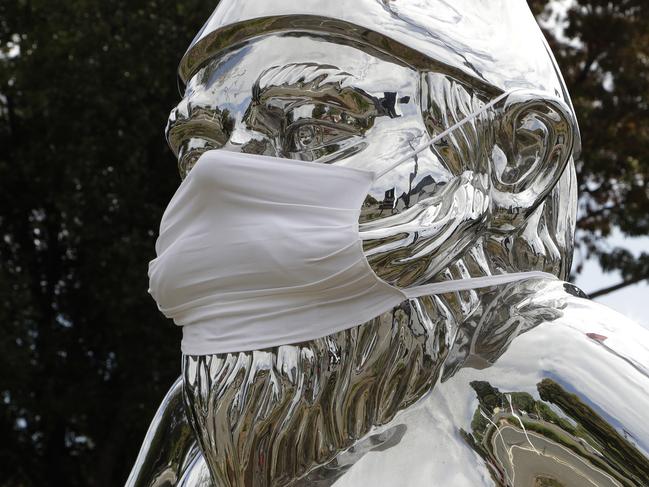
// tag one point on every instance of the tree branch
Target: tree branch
(594, 214)
(615, 287)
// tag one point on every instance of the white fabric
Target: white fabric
(258, 251)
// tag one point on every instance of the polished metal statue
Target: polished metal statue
(528, 384)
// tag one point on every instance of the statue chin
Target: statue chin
(526, 384)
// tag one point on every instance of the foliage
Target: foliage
(86, 87)
(603, 51)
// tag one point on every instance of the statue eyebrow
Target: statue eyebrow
(322, 82)
(313, 76)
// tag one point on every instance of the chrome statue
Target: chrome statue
(528, 384)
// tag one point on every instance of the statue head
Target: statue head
(363, 82)
(360, 83)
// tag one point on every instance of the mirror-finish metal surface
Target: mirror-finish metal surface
(557, 407)
(169, 447)
(496, 42)
(524, 384)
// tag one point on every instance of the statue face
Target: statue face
(321, 101)
(308, 97)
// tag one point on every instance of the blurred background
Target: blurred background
(85, 90)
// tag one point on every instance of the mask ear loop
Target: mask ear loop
(443, 134)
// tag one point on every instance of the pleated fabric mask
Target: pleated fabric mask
(254, 252)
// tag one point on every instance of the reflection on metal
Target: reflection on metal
(502, 386)
(169, 447)
(278, 414)
(527, 443)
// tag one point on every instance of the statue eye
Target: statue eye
(307, 136)
(317, 136)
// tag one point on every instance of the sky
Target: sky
(632, 301)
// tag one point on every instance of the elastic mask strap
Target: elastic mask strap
(443, 134)
(472, 283)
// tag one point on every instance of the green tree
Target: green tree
(85, 90)
(602, 48)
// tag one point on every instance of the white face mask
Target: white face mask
(255, 252)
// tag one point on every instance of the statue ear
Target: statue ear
(533, 142)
